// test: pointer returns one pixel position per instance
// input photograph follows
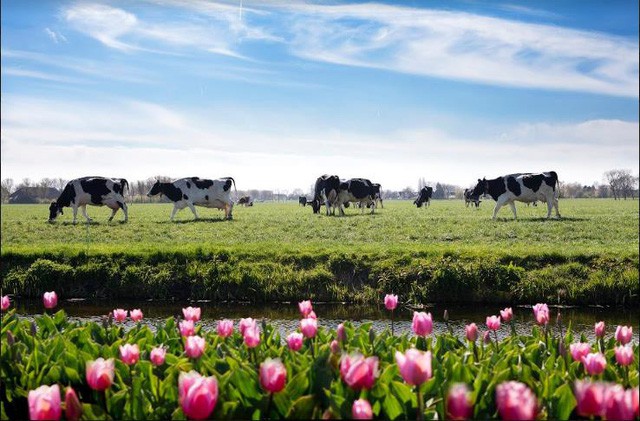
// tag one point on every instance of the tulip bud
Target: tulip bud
(471, 332)
(624, 334)
(273, 375)
(361, 410)
(73, 408)
(599, 329)
(446, 316)
(50, 299)
(5, 302)
(44, 403)
(458, 403)
(294, 341)
(335, 347)
(136, 315)
(340, 332)
(157, 355)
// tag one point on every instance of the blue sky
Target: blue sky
(277, 93)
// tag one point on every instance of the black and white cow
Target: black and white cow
(325, 192)
(95, 191)
(525, 188)
(424, 197)
(470, 198)
(194, 191)
(245, 200)
(357, 190)
(302, 200)
(377, 189)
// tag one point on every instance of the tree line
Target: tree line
(616, 183)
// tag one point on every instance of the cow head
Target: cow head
(155, 189)
(481, 188)
(54, 211)
(315, 205)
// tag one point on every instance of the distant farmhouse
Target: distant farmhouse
(33, 194)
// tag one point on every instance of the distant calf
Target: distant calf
(194, 191)
(470, 198)
(302, 200)
(424, 197)
(94, 191)
(245, 200)
(525, 188)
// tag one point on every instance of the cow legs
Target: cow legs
(193, 209)
(513, 209)
(84, 213)
(113, 213)
(555, 205)
(228, 208)
(125, 209)
(75, 214)
(173, 212)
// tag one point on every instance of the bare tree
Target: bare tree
(622, 183)
(7, 189)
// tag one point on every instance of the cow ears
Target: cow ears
(479, 181)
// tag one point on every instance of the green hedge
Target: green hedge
(325, 276)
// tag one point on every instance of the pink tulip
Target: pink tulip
(157, 355)
(225, 328)
(390, 301)
(136, 315)
(635, 395)
(414, 366)
(50, 299)
(506, 314)
(624, 334)
(359, 372)
(312, 315)
(305, 308)
(273, 375)
(294, 341)
(73, 408)
(541, 312)
(618, 403)
(515, 401)
(471, 332)
(493, 322)
(44, 403)
(599, 329)
(624, 355)
(309, 327)
(594, 363)
(129, 354)
(194, 346)
(119, 315)
(590, 397)
(5, 302)
(459, 403)
(197, 395)
(579, 350)
(422, 323)
(245, 323)
(486, 338)
(361, 410)
(252, 336)
(335, 347)
(187, 327)
(191, 313)
(342, 335)
(100, 373)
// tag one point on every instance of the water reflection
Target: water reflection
(286, 315)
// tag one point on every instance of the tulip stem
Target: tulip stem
(420, 416)
(495, 334)
(475, 351)
(268, 413)
(392, 332)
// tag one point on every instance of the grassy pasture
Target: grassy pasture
(279, 251)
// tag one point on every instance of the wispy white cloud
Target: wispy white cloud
(142, 139)
(463, 46)
(56, 37)
(35, 74)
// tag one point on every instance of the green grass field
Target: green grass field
(275, 251)
(587, 226)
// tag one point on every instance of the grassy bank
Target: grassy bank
(279, 252)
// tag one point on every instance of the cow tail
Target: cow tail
(234, 187)
(123, 183)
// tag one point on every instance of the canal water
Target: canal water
(285, 316)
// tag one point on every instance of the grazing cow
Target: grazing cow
(194, 191)
(424, 197)
(325, 192)
(302, 200)
(377, 188)
(95, 191)
(245, 200)
(357, 190)
(470, 198)
(525, 188)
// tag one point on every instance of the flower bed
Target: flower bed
(52, 368)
